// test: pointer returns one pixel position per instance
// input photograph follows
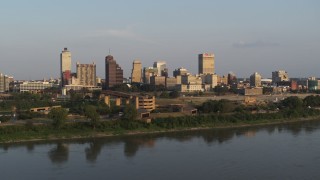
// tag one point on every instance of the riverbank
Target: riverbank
(19, 133)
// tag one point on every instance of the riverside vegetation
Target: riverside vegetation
(212, 114)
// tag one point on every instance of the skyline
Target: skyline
(246, 36)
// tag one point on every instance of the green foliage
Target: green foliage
(91, 113)
(213, 106)
(313, 101)
(164, 94)
(121, 87)
(59, 116)
(221, 90)
(292, 102)
(174, 94)
(130, 113)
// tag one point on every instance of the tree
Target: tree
(130, 113)
(90, 112)
(292, 102)
(174, 94)
(164, 94)
(59, 116)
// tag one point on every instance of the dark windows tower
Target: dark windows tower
(114, 73)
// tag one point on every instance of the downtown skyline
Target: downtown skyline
(246, 37)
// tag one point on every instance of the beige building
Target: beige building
(86, 74)
(65, 66)
(146, 102)
(278, 76)
(210, 79)
(190, 79)
(147, 73)
(206, 63)
(180, 71)
(255, 80)
(171, 83)
(251, 91)
(136, 74)
(158, 80)
(222, 80)
(161, 67)
(4, 83)
(190, 87)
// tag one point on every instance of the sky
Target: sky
(246, 36)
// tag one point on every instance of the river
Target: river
(287, 151)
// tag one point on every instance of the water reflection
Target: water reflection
(93, 150)
(59, 154)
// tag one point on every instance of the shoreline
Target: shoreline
(146, 131)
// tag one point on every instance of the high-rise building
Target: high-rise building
(206, 63)
(147, 73)
(114, 73)
(180, 71)
(278, 76)
(4, 83)
(161, 66)
(136, 74)
(65, 66)
(232, 78)
(86, 74)
(255, 80)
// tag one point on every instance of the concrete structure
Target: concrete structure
(171, 83)
(86, 74)
(222, 80)
(278, 76)
(190, 87)
(65, 66)
(210, 79)
(146, 102)
(255, 80)
(136, 74)
(251, 91)
(206, 63)
(4, 83)
(158, 80)
(140, 102)
(33, 86)
(161, 67)
(180, 71)
(114, 73)
(313, 85)
(190, 79)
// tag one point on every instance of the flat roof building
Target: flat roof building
(206, 63)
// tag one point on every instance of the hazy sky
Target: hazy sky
(245, 35)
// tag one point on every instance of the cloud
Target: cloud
(255, 44)
(126, 33)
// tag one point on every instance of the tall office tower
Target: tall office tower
(114, 73)
(255, 80)
(278, 76)
(161, 67)
(4, 83)
(65, 66)
(86, 74)
(148, 72)
(136, 74)
(206, 63)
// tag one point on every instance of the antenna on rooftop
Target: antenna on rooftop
(109, 51)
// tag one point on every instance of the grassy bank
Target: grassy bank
(29, 132)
